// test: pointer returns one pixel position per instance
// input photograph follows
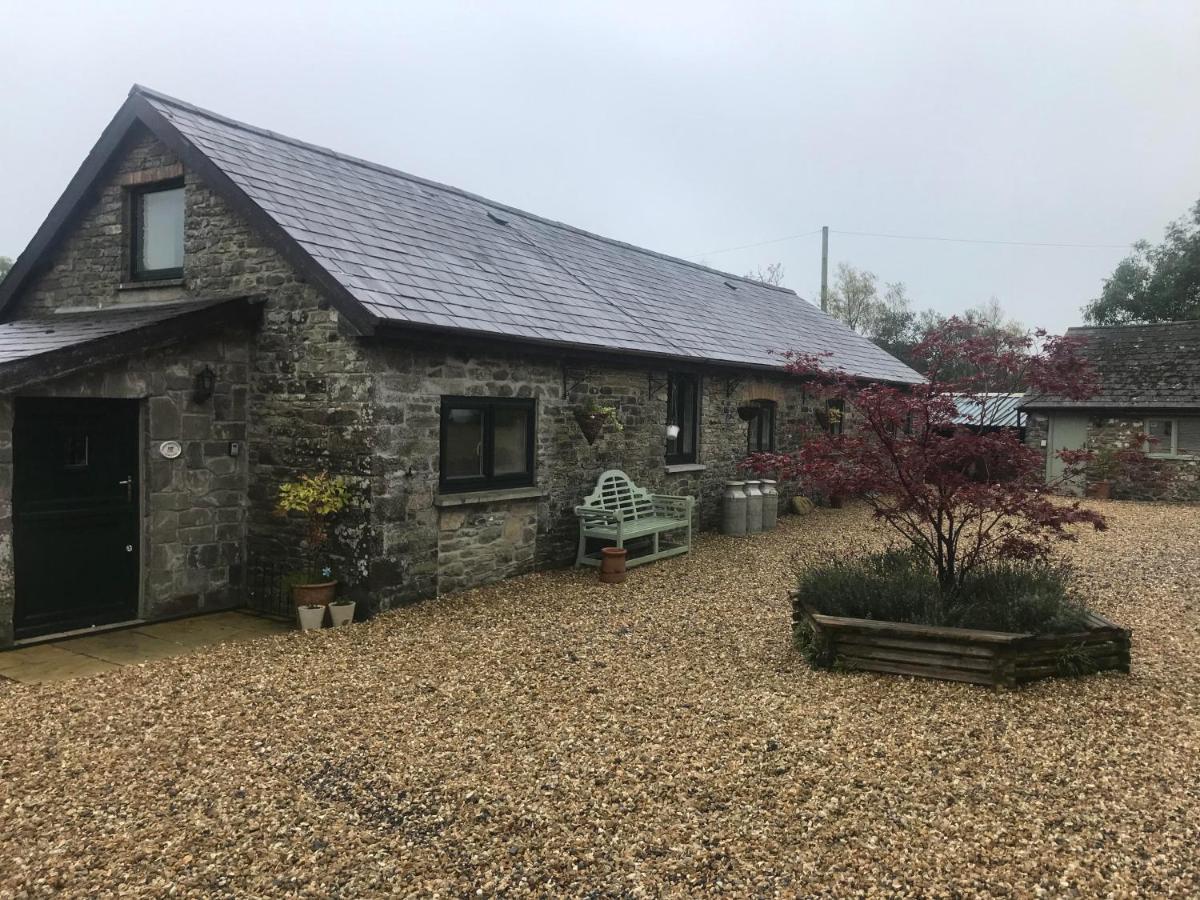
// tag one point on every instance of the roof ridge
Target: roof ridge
(152, 94)
(1134, 325)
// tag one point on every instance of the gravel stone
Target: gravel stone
(553, 736)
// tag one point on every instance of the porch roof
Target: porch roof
(46, 347)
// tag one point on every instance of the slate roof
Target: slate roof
(1139, 366)
(417, 254)
(39, 348)
(1003, 411)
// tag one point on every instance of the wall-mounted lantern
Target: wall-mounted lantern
(206, 383)
(672, 432)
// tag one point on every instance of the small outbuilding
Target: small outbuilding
(1148, 398)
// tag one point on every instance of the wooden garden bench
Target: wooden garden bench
(618, 511)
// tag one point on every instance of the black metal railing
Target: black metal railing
(266, 587)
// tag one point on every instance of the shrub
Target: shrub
(903, 586)
(965, 496)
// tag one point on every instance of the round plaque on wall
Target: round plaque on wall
(170, 449)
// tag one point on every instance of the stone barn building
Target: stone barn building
(1149, 385)
(211, 309)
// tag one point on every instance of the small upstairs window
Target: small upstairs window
(156, 226)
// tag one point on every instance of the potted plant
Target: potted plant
(1101, 473)
(749, 412)
(318, 498)
(592, 420)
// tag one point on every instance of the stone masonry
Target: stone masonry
(1117, 430)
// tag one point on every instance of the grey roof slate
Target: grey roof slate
(1139, 366)
(25, 338)
(417, 253)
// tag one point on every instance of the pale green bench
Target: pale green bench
(618, 511)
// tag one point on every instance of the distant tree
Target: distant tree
(1155, 283)
(895, 325)
(854, 297)
(5, 265)
(772, 274)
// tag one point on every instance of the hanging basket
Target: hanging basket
(591, 424)
(749, 413)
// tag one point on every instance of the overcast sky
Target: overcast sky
(685, 127)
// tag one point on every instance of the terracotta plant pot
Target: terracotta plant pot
(591, 424)
(320, 594)
(1100, 490)
(311, 616)
(341, 612)
(612, 564)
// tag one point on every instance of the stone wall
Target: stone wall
(7, 595)
(426, 547)
(1118, 430)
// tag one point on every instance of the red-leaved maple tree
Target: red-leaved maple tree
(962, 494)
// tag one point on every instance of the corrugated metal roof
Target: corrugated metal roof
(418, 253)
(990, 410)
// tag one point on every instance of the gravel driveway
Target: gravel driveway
(554, 736)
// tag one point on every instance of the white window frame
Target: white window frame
(1173, 452)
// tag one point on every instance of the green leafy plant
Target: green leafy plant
(606, 414)
(318, 498)
(1075, 661)
(815, 649)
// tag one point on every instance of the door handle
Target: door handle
(128, 482)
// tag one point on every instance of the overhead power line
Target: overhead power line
(919, 237)
(953, 240)
(778, 240)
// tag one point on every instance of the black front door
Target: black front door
(75, 513)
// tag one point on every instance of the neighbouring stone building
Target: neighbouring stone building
(212, 309)
(1148, 398)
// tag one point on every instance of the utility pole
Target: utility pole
(824, 268)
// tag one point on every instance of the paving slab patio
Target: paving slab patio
(92, 654)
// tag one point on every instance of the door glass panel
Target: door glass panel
(512, 437)
(464, 443)
(75, 450)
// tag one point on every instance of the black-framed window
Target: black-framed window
(486, 442)
(683, 415)
(761, 438)
(156, 231)
(835, 415)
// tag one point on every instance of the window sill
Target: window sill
(473, 498)
(1186, 457)
(679, 468)
(144, 285)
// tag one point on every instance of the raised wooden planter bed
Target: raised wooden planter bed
(996, 658)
